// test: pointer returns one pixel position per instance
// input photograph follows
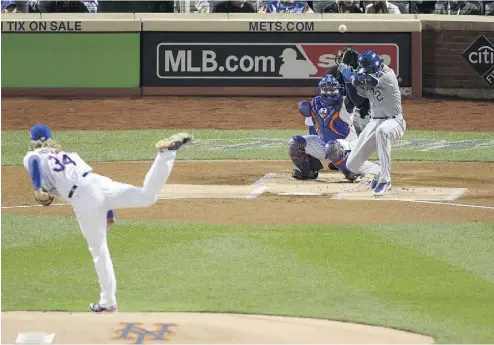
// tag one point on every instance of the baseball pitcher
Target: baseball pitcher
(379, 84)
(55, 172)
(334, 127)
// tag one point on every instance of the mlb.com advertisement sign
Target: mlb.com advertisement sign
(260, 59)
(257, 60)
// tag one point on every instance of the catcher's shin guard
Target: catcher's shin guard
(307, 167)
(338, 155)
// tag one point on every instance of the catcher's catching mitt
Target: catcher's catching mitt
(43, 197)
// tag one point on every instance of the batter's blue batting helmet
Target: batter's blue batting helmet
(368, 62)
(40, 132)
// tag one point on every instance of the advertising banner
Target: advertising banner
(70, 60)
(260, 59)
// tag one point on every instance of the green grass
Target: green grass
(243, 144)
(431, 279)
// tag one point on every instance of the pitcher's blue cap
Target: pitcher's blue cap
(40, 132)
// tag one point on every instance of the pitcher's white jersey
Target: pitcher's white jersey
(60, 170)
(385, 97)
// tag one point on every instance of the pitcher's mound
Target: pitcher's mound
(156, 328)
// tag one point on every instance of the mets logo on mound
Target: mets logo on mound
(135, 333)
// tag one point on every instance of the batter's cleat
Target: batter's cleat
(382, 188)
(297, 174)
(97, 308)
(373, 183)
(174, 142)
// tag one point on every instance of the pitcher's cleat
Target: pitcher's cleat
(382, 188)
(97, 308)
(174, 142)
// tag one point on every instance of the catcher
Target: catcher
(333, 118)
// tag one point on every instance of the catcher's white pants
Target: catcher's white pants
(316, 147)
(98, 194)
(376, 136)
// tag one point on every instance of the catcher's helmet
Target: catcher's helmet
(40, 132)
(330, 90)
(369, 62)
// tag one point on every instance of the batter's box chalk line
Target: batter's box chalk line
(334, 184)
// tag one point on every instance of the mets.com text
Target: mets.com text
(281, 26)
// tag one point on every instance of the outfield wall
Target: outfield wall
(138, 54)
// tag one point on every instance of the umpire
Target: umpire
(349, 56)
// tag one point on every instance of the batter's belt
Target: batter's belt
(384, 118)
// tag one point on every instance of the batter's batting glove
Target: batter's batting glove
(342, 67)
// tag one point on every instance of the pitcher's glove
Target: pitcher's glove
(43, 196)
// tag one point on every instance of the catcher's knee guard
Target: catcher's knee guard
(337, 154)
(307, 167)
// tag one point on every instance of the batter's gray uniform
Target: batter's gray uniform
(386, 125)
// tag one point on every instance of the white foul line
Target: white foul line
(451, 204)
(259, 190)
(30, 206)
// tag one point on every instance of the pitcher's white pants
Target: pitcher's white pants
(376, 136)
(96, 196)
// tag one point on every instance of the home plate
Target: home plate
(405, 194)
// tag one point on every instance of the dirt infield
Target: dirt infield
(264, 208)
(220, 113)
(250, 113)
(273, 209)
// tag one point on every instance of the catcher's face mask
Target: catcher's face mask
(330, 90)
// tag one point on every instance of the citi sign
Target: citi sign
(483, 54)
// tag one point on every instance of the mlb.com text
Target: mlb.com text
(182, 61)
(281, 26)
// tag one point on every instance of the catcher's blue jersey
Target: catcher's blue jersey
(285, 7)
(326, 119)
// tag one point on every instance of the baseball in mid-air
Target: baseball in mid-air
(342, 28)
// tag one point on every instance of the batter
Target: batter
(378, 83)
